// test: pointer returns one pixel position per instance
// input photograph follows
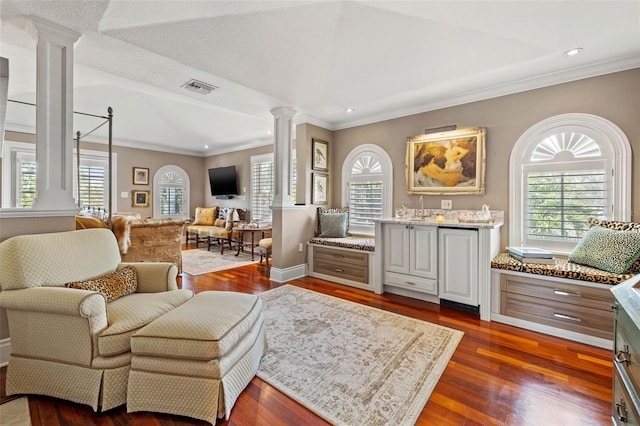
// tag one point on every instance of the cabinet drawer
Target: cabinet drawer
(341, 269)
(340, 256)
(627, 350)
(423, 285)
(597, 298)
(581, 319)
(623, 409)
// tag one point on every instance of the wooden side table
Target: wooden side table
(252, 231)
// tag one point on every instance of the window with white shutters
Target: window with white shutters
(367, 176)
(263, 185)
(19, 177)
(171, 192)
(562, 173)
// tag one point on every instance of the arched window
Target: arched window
(368, 187)
(171, 192)
(564, 170)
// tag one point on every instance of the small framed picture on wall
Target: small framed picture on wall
(140, 198)
(320, 158)
(319, 188)
(140, 176)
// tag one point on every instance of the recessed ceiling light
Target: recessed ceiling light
(269, 132)
(206, 147)
(349, 110)
(573, 52)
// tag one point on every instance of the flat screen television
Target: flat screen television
(223, 181)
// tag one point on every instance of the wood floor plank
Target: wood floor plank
(499, 375)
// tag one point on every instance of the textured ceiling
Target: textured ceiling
(384, 59)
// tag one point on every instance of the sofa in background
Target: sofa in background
(142, 240)
(213, 225)
(74, 343)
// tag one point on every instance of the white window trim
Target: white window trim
(600, 129)
(387, 178)
(156, 191)
(7, 168)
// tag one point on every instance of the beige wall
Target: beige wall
(242, 161)
(615, 97)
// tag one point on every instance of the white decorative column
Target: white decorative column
(282, 156)
(54, 115)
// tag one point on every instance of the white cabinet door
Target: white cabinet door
(396, 248)
(423, 251)
(458, 265)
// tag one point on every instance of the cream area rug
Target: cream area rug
(201, 261)
(349, 363)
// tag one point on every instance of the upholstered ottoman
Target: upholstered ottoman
(196, 359)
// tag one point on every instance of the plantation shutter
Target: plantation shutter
(171, 203)
(365, 202)
(262, 189)
(172, 188)
(560, 203)
(92, 184)
(25, 179)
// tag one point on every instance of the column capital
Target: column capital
(282, 112)
(37, 27)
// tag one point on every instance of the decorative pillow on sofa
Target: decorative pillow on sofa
(113, 285)
(607, 249)
(620, 226)
(220, 223)
(322, 210)
(205, 216)
(333, 225)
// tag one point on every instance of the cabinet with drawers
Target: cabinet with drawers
(578, 308)
(625, 404)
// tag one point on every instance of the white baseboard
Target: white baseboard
(283, 275)
(5, 351)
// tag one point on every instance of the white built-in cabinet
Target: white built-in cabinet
(411, 259)
(458, 265)
(437, 261)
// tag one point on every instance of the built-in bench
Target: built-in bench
(563, 299)
(348, 260)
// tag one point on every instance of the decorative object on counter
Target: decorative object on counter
(440, 217)
(446, 163)
(320, 155)
(140, 176)
(481, 216)
(140, 198)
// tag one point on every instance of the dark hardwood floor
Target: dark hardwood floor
(499, 375)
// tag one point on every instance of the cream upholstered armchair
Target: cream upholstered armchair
(73, 343)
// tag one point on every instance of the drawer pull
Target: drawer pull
(410, 283)
(621, 410)
(623, 356)
(338, 269)
(566, 317)
(566, 293)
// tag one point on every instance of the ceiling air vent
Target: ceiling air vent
(199, 87)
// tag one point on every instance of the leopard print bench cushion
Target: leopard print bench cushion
(364, 244)
(113, 285)
(561, 269)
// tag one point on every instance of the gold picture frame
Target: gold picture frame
(320, 155)
(446, 163)
(140, 176)
(140, 198)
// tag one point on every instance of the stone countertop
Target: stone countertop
(451, 221)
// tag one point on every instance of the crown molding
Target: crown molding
(523, 85)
